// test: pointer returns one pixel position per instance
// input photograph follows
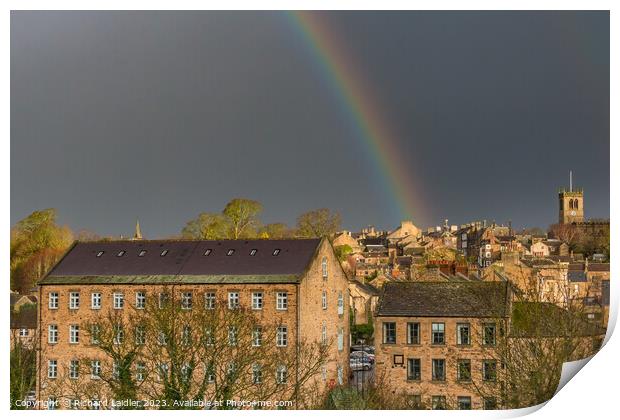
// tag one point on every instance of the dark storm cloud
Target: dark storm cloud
(161, 115)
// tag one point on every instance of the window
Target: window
(95, 300)
(186, 300)
(324, 267)
(142, 253)
(257, 300)
(23, 332)
(140, 300)
(281, 301)
(462, 334)
(281, 374)
(120, 253)
(119, 334)
(207, 252)
(52, 369)
(99, 254)
(253, 252)
(162, 338)
(489, 403)
(463, 372)
(230, 252)
(162, 371)
(52, 403)
(488, 338)
(340, 303)
(340, 375)
(340, 339)
(438, 402)
(489, 370)
(163, 253)
(324, 334)
(232, 336)
(464, 403)
(233, 300)
(282, 336)
(276, 252)
(413, 333)
(74, 334)
(210, 300)
(257, 337)
(140, 369)
(324, 373)
(324, 300)
(414, 370)
(414, 402)
(438, 333)
(95, 369)
(389, 333)
(53, 300)
(439, 369)
(164, 299)
(186, 336)
(140, 334)
(257, 374)
(52, 334)
(74, 300)
(95, 330)
(119, 300)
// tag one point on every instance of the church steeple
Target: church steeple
(138, 234)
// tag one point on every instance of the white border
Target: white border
(592, 394)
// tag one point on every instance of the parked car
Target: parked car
(358, 354)
(360, 363)
(363, 347)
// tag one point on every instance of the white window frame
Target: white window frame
(52, 334)
(52, 369)
(324, 300)
(95, 300)
(324, 333)
(74, 334)
(257, 337)
(340, 339)
(140, 300)
(119, 300)
(233, 300)
(257, 300)
(23, 332)
(53, 300)
(281, 375)
(324, 270)
(281, 301)
(74, 300)
(186, 300)
(282, 336)
(340, 303)
(210, 300)
(74, 369)
(140, 369)
(95, 369)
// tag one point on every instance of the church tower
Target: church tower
(571, 203)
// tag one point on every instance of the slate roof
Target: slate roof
(368, 288)
(184, 261)
(25, 318)
(598, 267)
(445, 299)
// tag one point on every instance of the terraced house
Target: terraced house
(435, 341)
(297, 282)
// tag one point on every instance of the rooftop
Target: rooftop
(224, 261)
(476, 299)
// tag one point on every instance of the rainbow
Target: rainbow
(372, 127)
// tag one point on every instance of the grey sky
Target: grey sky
(162, 115)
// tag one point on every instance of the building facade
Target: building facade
(298, 282)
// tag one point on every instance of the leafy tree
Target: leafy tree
(206, 226)
(342, 252)
(242, 217)
(22, 371)
(37, 243)
(318, 223)
(275, 231)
